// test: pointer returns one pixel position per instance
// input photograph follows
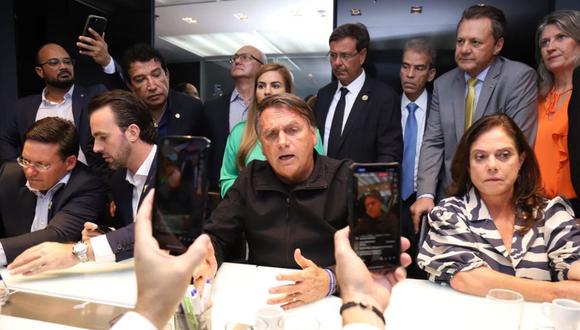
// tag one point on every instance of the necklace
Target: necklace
(552, 101)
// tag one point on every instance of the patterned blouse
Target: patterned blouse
(464, 237)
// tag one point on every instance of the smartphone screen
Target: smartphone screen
(180, 191)
(375, 228)
(97, 23)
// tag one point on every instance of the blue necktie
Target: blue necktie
(409, 152)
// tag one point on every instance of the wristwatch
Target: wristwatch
(80, 250)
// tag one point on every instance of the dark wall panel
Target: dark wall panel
(8, 77)
(62, 21)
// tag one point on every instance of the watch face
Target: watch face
(79, 248)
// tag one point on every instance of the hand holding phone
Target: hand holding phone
(97, 23)
(375, 226)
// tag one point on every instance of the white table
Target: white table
(107, 283)
(240, 290)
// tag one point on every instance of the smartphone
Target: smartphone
(97, 23)
(375, 214)
(180, 191)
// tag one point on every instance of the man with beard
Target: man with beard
(60, 98)
(125, 135)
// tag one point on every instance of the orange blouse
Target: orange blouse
(551, 146)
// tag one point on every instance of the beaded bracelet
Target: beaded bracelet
(332, 286)
(362, 305)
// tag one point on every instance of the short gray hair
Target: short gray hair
(422, 46)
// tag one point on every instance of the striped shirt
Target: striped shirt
(464, 237)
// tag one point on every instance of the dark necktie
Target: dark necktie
(409, 152)
(336, 128)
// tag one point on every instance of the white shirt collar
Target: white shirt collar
(421, 101)
(67, 96)
(143, 170)
(356, 85)
(62, 182)
(480, 77)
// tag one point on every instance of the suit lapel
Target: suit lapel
(27, 205)
(459, 103)
(358, 112)
(79, 94)
(323, 105)
(487, 89)
(150, 182)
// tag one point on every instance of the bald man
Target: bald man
(226, 111)
(61, 97)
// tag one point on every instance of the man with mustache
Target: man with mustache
(60, 98)
(147, 77)
(417, 69)
(483, 83)
(358, 116)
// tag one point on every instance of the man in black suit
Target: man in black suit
(51, 196)
(417, 69)
(61, 98)
(147, 77)
(358, 116)
(125, 135)
(224, 112)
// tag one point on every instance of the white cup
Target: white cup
(505, 309)
(564, 313)
(269, 318)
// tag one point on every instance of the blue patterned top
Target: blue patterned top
(464, 237)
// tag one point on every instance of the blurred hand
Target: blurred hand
(206, 269)
(89, 230)
(162, 279)
(421, 206)
(95, 47)
(43, 257)
(311, 283)
(356, 282)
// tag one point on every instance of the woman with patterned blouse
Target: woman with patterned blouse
(497, 230)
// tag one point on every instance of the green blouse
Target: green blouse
(229, 171)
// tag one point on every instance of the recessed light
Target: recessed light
(241, 16)
(416, 9)
(189, 20)
(322, 13)
(355, 12)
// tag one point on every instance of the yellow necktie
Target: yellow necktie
(470, 102)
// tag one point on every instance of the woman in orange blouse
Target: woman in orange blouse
(558, 53)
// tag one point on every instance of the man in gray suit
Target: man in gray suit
(482, 84)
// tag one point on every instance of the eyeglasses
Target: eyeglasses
(27, 163)
(343, 57)
(56, 62)
(245, 58)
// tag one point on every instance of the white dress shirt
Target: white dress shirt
(101, 248)
(43, 205)
(353, 90)
(421, 116)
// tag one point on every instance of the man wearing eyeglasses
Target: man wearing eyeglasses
(51, 195)
(226, 111)
(358, 115)
(61, 97)
(147, 76)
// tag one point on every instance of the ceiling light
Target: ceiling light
(241, 16)
(416, 9)
(189, 20)
(355, 12)
(322, 13)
